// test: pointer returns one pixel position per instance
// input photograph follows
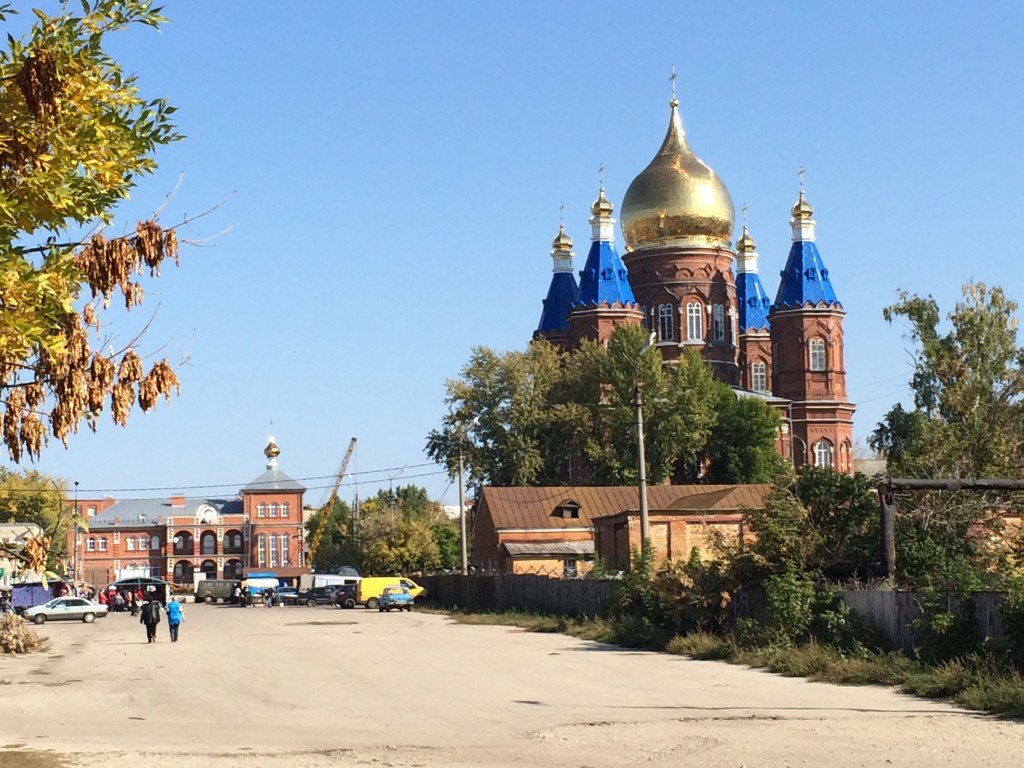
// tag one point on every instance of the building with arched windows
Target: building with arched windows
(682, 279)
(183, 539)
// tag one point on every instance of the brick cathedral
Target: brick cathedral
(683, 279)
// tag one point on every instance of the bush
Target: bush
(873, 669)
(638, 614)
(944, 631)
(701, 645)
(15, 637)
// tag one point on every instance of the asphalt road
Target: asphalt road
(310, 687)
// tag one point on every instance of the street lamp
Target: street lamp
(638, 403)
(74, 538)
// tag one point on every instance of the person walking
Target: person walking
(134, 603)
(150, 617)
(174, 618)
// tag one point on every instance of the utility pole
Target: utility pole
(462, 517)
(74, 538)
(645, 528)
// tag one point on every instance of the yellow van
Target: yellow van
(370, 588)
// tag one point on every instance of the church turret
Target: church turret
(562, 293)
(605, 297)
(752, 304)
(807, 341)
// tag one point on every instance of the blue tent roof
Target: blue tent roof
(562, 294)
(752, 301)
(805, 279)
(603, 278)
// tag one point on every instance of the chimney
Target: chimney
(177, 501)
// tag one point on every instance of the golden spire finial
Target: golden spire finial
(801, 208)
(672, 80)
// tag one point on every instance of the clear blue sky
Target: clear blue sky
(391, 174)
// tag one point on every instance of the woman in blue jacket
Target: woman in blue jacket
(174, 618)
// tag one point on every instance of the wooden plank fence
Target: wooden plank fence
(891, 613)
(524, 592)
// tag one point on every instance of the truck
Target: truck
(308, 581)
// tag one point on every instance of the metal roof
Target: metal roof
(144, 512)
(526, 548)
(534, 508)
(273, 480)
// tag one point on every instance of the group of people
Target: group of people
(151, 611)
(241, 596)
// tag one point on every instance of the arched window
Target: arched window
(208, 542)
(284, 509)
(718, 322)
(261, 550)
(758, 377)
(103, 545)
(694, 322)
(233, 569)
(823, 454)
(666, 322)
(183, 571)
(143, 542)
(129, 543)
(154, 543)
(273, 509)
(817, 347)
(261, 510)
(273, 550)
(90, 544)
(184, 543)
(285, 557)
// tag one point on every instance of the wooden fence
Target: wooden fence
(525, 592)
(891, 613)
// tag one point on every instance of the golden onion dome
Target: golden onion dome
(562, 242)
(602, 206)
(746, 243)
(801, 208)
(272, 451)
(677, 199)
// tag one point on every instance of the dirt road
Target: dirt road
(310, 687)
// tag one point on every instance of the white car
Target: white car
(66, 609)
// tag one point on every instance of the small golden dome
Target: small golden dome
(746, 243)
(602, 206)
(271, 451)
(801, 208)
(562, 242)
(677, 198)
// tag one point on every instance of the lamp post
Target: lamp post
(638, 404)
(462, 517)
(74, 538)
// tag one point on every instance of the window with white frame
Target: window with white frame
(261, 549)
(261, 510)
(285, 509)
(823, 454)
(694, 322)
(103, 545)
(666, 322)
(273, 550)
(130, 543)
(90, 544)
(817, 348)
(759, 377)
(718, 322)
(143, 542)
(273, 509)
(285, 558)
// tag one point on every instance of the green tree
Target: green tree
(338, 545)
(967, 386)
(32, 497)
(741, 446)
(75, 137)
(403, 530)
(534, 417)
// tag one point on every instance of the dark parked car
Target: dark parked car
(318, 595)
(345, 596)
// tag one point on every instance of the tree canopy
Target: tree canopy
(75, 137)
(544, 417)
(968, 417)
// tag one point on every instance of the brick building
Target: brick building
(182, 539)
(682, 279)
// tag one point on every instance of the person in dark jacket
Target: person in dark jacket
(151, 617)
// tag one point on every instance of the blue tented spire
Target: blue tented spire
(753, 303)
(563, 291)
(603, 278)
(805, 279)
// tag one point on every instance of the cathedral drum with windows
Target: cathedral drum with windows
(681, 278)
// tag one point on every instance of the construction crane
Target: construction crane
(325, 513)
